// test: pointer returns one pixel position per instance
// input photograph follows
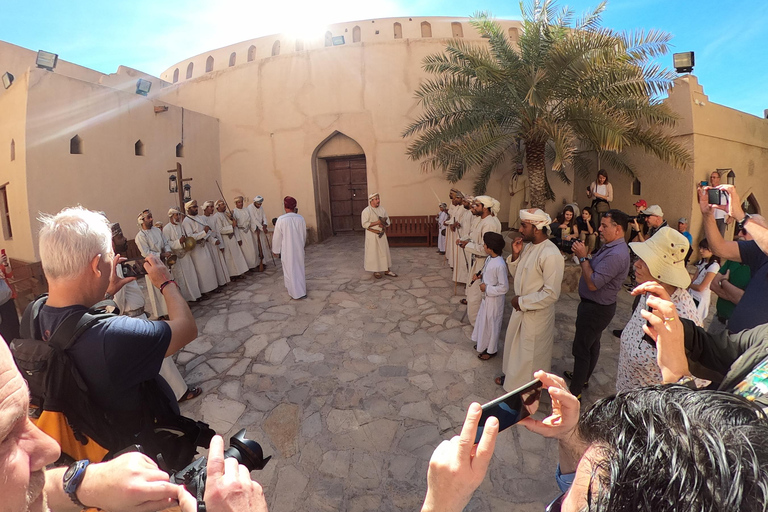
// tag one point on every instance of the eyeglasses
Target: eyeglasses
(556, 504)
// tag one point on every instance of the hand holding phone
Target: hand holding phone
(512, 407)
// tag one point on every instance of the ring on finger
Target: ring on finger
(669, 319)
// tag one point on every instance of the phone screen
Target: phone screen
(512, 407)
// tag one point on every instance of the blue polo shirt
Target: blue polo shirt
(610, 266)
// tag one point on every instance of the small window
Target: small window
(251, 53)
(636, 187)
(232, 59)
(276, 48)
(189, 70)
(328, 38)
(514, 35)
(299, 45)
(356, 35)
(426, 29)
(750, 205)
(209, 64)
(7, 232)
(13, 150)
(175, 75)
(179, 150)
(457, 30)
(398, 31)
(138, 148)
(76, 145)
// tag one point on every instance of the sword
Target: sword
(270, 248)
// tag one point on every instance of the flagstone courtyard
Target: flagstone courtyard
(351, 389)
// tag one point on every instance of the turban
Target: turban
(220, 201)
(238, 198)
(496, 207)
(207, 204)
(116, 230)
(190, 204)
(537, 217)
(143, 215)
(457, 193)
(486, 201)
(443, 205)
(173, 211)
(289, 203)
(370, 197)
(258, 199)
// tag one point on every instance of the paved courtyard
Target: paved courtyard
(351, 389)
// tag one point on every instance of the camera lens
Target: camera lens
(247, 452)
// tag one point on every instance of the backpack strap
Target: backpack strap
(73, 326)
(28, 327)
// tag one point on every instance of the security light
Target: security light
(683, 62)
(47, 60)
(143, 86)
(7, 79)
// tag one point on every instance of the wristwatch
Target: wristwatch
(73, 477)
(745, 219)
(582, 260)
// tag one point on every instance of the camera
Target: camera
(133, 268)
(714, 195)
(640, 217)
(247, 452)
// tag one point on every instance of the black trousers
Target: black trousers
(591, 320)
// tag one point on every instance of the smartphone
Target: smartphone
(714, 195)
(704, 183)
(647, 338)
(133, 268)
(512, 407)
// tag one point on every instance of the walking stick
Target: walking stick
(270, 248)
(261, 252)
(455, 263)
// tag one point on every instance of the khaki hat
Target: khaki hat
(664, 253)
(654, 209)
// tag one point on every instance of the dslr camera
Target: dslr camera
(193, 477)
(640, 217)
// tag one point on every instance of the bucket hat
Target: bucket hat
(664, 253)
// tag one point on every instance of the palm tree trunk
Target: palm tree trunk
(534, 158)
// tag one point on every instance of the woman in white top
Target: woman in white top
(601, 193)
(706, 270)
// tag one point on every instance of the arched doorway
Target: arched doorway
(341, 185)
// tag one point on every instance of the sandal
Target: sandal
(499, 380)
(486, 356)
(463, 301)
(190, 394)
(390, 273)
(377, 275)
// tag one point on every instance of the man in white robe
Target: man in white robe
(246, 240)
(473, 248)
(442, 217)
(194, 225)
(375, 221)
(230, 236)
(289, 239)
(450, 231)
(259, 226)
(184, 270)
(518, 196)
(151, 240)
(537, 268)
(216, 249)
(464, 220)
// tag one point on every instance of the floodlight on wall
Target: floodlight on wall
(173, 186)
(7, 79)
(338, 40)
(683, 62)
(143, 86)
(187, 192)
(46, 60)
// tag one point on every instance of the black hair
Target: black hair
(618, 217)
(495, 242)
(561, 216)
(670, 448)
(704, 244)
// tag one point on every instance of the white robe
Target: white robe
(440, 229)
(130, 298)
(184, 270)
(259, 222)
(489, 317)
(250, 253)
(377, 257)
(463, 258)
(538, 275)
(216, 250)
(201, 256)
(450, 235)
(476, 253)
(289, 239)
(233, 254)
(152, 241)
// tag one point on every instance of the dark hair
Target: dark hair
(601, 172)
(704, 244)
(495, 242)
(670, 448)
(561, 216)
(618, 217)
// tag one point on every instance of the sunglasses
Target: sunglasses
(556, 504)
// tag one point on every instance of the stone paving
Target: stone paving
(351, 389)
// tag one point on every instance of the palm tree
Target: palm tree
(569, 88)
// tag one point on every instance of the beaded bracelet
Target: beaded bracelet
(162, 286)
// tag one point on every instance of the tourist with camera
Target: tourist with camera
(654, 219)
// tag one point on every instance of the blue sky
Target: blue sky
(729, 38)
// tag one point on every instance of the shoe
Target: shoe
(617, 332)
(190, 394)
(463, 301)
(486, 356)
(569, 375)
(499, 380)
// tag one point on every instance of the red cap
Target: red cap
(641, 203)
(289, 203)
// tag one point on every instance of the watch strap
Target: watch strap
(73, 477)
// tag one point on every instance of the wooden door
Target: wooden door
(348, 183)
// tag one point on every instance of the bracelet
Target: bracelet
(687, 381)
(162, 286)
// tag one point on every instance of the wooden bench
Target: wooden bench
(412, 231)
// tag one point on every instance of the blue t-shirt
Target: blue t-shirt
(115, 356)
(752, 309)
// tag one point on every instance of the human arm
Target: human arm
(228, 488)
(727, 250)
(704, 285)
(580, 251)
(458, 466)
(116, 282)
(499, 275)
(552, 268)
(726, 290)
(129, 483)
(758, 231)
(277, 238)
(609, 192)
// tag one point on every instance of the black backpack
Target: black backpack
(55, 385)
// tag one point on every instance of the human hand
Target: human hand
(157, 272)
(579, 249)
(704, 206)
(182, 239)
(458, 466)
(116, 282)
(482, 287)
(733, 208)
(131, 483)
(266, 230)
(206, 228)
(229, 487)
(516, 302)
(517, 247)
(561, 424)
